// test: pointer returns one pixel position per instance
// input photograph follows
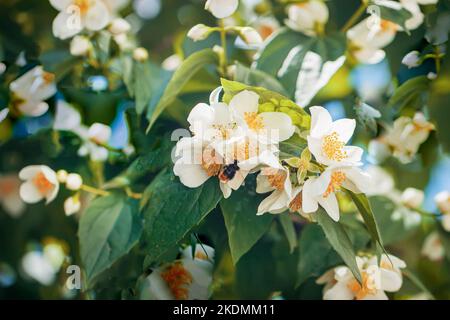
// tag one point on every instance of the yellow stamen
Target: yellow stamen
(42, 184)
(211, 162)
(296, 203)
(337, 179)
(201, 255)
(178, 279)
(254, 120)
(83, 5)
(367, 287)
(275, 177)
(333, 147)
(48, 77)
(387, 25)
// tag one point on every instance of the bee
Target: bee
(229, 171)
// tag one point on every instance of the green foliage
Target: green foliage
(244, 227)
(170, 210)
(193, 64)
(109, 228)
(339, 240)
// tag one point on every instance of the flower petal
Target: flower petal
(191, 175)
(244, 102)
(277, 126)
(320, 122)
(344, 128)
(339, 291)
(64, 26)
(29, 193)
(222, 8)
(331, 206)
(309, 200)
(97, 17)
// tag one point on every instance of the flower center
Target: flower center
(48, 77)
(211, 162)
(201, 255)
(83, 5)
(178, 279)
(42, 184)
(337, 179)
(368, 286)
(224, 131)
(296, 203)
(332, 147)
(388, 25)
(254, 120)
(275, 177)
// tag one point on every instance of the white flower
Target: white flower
(411, 60)
(74, 181)
(185, 279)
(270, 127)
(222, 8)
(322, 190)
(30, 91)
(412, 198)
(369, 37)
(432, 247)
(119, 26)
(442, 200)
(37, 266)
(308, 17)
(406, 136)
(199, 32)
(61, 175)
(140, 54)
(77, 15)
(72, 205)
(9, 195)
(266, 26)
(67, 118)
(99, 133)
(250, 36)
(327, 139)
(172, 63)
(80, 46)
(277, 181)
(40, 183)
(340, 284)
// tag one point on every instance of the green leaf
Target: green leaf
(417, 282)
(339, 240)
(316, 254)
(302, 64)
(171, 210)
(193, 64)
(363, 205)
(409, 92)
(393, 229)
(293, 147)
(109, 228)
(258, 78)
(269, 101)
(438, 103)
(59, 62)
(244, 227)
(289, 230)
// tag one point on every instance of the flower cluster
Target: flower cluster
(402, 140)
(234, 140)
(340, 284)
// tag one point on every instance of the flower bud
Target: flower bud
(442, 200)
(199, 32)
(412, 59)
(140, 54)
(119, 26)
(412, 198)
(72, 205)
(80, 46)
(74, 181)
(250, 36)
(61, 175)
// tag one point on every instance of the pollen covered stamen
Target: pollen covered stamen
(178, 279)
(337, 179)
(211, 162)
(275, 177)
(367, 287)
(83, 5)
(42, 184)
(333, 147)
(296, 203)
(254, 120)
